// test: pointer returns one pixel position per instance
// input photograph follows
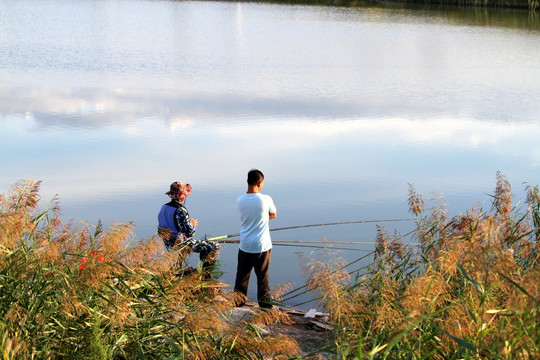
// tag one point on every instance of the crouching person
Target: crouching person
(176, 229)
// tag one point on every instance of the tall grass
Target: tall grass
(471, 289)
(83, 292)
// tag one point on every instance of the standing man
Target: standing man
(256, 210)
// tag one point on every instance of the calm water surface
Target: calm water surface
(108, 102)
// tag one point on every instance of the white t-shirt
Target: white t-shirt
(255, 232)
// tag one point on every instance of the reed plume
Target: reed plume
(470, 289)
(84, 291)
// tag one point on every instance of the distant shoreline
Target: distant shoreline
(506, 4)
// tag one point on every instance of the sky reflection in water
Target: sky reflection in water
(319, 169)
(340, 108)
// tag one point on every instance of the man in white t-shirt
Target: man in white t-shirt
(256, 210)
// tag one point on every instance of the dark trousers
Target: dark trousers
(260, 262)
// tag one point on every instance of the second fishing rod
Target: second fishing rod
(225, 237)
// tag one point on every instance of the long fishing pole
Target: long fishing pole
(319, 297)
(336, 270)
(323, 247)
(218, 238)
(312, 242)
(305, 286)
(286, 243)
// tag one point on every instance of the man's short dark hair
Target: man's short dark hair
(254, 176)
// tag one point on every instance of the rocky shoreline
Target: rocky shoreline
(310, 329)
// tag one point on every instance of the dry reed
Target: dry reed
(470, 290)
(93, 293)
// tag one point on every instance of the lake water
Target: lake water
(108, 102)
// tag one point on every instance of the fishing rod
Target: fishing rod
(219, 238)
(312, 242)
(323, 247)
(305, 286)
(291, 243)
(319, 297)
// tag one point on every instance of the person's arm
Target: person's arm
(272, 211)
(183, 222)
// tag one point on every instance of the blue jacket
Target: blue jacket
(175, 217)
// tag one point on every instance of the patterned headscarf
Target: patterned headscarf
(178, 189)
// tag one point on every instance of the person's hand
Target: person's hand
(193, 222)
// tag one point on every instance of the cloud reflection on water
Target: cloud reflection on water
(130, 136)
(108, 102)
(97, 107)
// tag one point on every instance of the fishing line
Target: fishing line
(341, 223)
(277, 242)
(305, 302)
(321, 242)
(349, 264)
(217, 238)
(320, 247)
(334, 271)
(318, 297)
(236, 241)
(329, 242)
(292, 244)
